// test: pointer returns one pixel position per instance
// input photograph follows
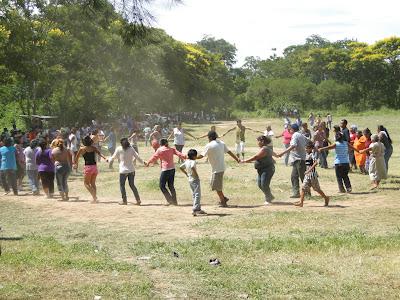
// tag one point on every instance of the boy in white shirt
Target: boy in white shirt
(190, 170)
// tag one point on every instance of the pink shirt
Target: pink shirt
(166, 155)
(287, 136)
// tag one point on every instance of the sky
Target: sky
(255, 27)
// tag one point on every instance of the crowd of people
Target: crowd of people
(44, 157)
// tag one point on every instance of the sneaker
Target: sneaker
(267, 203)
(138, 202)
(123, 202)
(349, 190)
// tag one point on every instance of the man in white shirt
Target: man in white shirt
(215, 151)
(297, 158)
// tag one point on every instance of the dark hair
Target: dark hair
(264, 139)
(336, 128)
(344, 121)
(382, 128)
(367, 131)
(43, 144)
(339, 137)
(8, 142)
(192, 154)
(34, 143)
(359, 132)
(125, 143)
(212, 135)
(163, 142)
(87, 141)
(310, 144)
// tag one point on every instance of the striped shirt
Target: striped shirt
(310, 160)
(342, 153)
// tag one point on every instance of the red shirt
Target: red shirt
(166, 155)
(286, 136)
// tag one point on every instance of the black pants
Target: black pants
(168, 177)
(342, 177)
(47, 179)
(131, 181)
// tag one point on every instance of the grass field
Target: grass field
(76, 250)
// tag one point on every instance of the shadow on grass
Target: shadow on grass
(389, 188)
(329, 206)
(15, 238)
(213, 215)
(282, 203)
(363, 193)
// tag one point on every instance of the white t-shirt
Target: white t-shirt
(215, 151)
(73, 142)
(179, 136)
(189, 165)
(269, 133)
(126, 158)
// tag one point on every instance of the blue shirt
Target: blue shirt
(342, 153)
(8, 160)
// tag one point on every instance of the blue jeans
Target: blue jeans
(168, 177)
(131, 181)
(196, 194)
(62, 174)
(264, 179)
(33, 179)
(287, 154)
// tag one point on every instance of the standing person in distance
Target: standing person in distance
(179, 137)
(286, 137)
(384, 137)
(45, 164)
(62, 161)
(240, 137)
(31, 167)
(377, 166)
(8, 167)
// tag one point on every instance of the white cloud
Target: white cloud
(257, 26)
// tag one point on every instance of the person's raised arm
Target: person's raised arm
(228, 131)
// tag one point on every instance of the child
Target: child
(189, 168)
(311, 176)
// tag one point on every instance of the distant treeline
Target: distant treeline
(80, 60)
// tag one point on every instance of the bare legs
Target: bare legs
(90, 185)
